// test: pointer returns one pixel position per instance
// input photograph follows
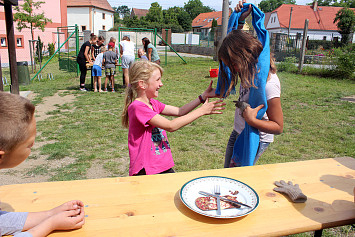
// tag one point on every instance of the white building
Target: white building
(320, 26)
(93, 15)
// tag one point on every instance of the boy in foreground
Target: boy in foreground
(17, 136)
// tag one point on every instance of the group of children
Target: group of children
(149, 148)
(106, 58)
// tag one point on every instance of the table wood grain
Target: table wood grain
(151, 206)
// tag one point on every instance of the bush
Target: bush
(345, 61)
(51, 49)
(288, 65)
(314, 44)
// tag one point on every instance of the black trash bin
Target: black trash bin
(23, 73)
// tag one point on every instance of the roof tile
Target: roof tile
(321, 19)
(103, 4)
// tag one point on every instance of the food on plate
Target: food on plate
(210, 203)
(234, 192)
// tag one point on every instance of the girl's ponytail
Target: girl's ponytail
(129, 97)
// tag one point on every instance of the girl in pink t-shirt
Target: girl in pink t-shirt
(149, 149)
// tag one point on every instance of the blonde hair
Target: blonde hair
(103, 49)
(16, 114)
(140, 71)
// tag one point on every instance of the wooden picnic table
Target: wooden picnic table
(151, 206)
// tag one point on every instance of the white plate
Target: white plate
(189, 194)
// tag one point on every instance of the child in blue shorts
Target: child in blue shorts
(97, 69)
(110, 61)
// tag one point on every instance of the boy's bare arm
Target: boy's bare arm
(67, 220)
(35, 218)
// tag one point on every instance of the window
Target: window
(83, 28)
(103, 27)
(205, 19)
(324, 37)
(3, 42)
(19, 42)
(103, 16)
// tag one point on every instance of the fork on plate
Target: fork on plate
(217, 191)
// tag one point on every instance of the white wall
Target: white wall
(177, 38)
(313, 34)
(99, 22)
(273, 21)
(79, 16)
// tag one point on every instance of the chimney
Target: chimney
(315, 5)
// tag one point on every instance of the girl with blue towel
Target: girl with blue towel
(258, 115)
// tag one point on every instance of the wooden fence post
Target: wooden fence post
(303, 49)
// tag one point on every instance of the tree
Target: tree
(335, 3)
(270, 5)
(123, 11)
(155, 13)
(27, 18)
(185, 20)
(120, 13)
(345, 20)
(195, 7)
(171, 15)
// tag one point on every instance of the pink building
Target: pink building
(56, 10)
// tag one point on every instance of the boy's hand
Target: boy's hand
(209, 92)
(68, 220)
(213, 107)
(71, 205)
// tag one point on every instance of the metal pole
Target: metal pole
(155, 37)
(303, 50)
(76, 47)
(166, 46)
(225, 16)
(1, 83)
(289, 24)
(15, 89)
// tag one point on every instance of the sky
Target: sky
(215, 4)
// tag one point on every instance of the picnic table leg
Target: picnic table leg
(318, 233)
(92, 80)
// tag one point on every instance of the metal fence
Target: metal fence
(52, 54)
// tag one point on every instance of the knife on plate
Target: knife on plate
(223, 198)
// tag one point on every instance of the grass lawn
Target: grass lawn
(317, 123)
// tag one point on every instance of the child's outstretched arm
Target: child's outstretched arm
(159, 121)
(67, 216)
(176, 111)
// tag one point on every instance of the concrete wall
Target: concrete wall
(193, 49)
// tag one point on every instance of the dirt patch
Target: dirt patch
(96, 171)
(349, 98)
(50, 104)
(22, 173)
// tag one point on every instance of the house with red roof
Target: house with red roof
(93, 15)
(320, 26)
(203, 22)
(139, 12)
